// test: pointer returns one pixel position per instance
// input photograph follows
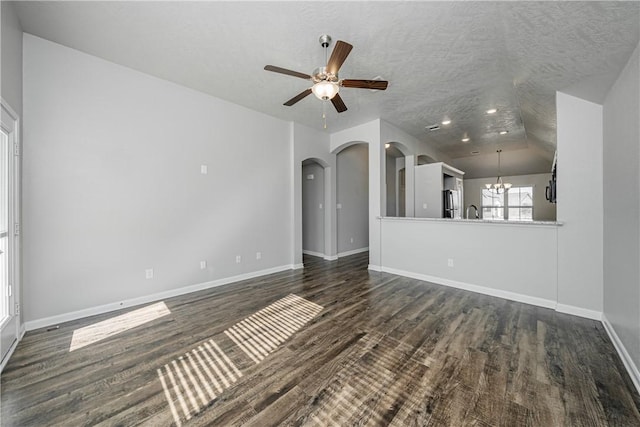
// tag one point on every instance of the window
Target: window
(520, 201)
(492, 204)
(515, 204)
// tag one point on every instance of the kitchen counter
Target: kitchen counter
(476, 221)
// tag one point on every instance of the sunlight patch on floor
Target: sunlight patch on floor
(91, 334)
(261, 333)
(193, 381)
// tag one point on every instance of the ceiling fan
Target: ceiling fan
(326, 83)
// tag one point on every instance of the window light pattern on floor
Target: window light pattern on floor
(91, 334)
(261, 333)
(194, 380)
(191, 382)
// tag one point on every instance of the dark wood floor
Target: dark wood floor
(333, 344)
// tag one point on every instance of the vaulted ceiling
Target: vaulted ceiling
(444, 60)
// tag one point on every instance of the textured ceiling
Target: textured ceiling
(443, 59)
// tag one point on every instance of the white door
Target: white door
(9, 192)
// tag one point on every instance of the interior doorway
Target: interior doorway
(313, 208)
(352, 199)
(402, 192)
(394, 164)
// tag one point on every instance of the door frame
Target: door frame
(10, 123)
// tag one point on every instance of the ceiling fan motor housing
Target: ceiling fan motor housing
(320, 74)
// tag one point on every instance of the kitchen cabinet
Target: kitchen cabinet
(431, 180)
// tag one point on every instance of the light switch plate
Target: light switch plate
(204, 169)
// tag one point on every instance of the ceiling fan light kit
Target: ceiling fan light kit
(325, 90)
(326, 83)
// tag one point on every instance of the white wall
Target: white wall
(507, 260)
(580, 203)
(542, 209)
(622, 208)
(353, 196)
(11, 67)
(313, 208)
(113, 185)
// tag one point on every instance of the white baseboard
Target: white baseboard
(541, 302)
(92, 311)
(580, 312)
(312, 253)
(374, 267)
(326, 257)
(352, 252)
(295, 267)
(632, 369)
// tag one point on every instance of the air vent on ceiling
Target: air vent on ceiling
(475, 152)
(433, 127)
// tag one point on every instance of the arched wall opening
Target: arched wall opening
(314, 218)
(395, 178)
(352, 198)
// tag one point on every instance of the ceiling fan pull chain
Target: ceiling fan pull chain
(324, 114)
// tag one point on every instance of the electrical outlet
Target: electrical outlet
(258, 255)
(203, 265)
(424, 206)
(204, 169)
(238, 259)
(450, 262)
(148, 273)
(339, 206)
(351, 240)
(320, 205)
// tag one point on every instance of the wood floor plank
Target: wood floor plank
(380, 350)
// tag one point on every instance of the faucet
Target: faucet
(474, 207)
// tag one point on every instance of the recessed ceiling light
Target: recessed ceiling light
(466, 139)
(492, 111)
(387, 145)
(503, 132)
(446, 122)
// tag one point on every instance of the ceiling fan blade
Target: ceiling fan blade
(297, 98)
(338, 103)
(365, 84)
(287, 72)
(339, 54)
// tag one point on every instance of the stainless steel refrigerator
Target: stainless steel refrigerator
(451, 204)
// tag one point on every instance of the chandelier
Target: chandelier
(499, 186)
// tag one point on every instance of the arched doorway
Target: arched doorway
(313, 208)
(352, 199)
(395, 178)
